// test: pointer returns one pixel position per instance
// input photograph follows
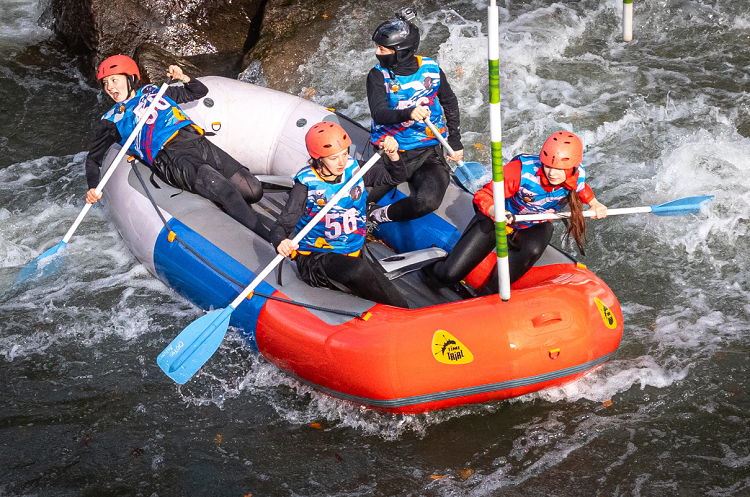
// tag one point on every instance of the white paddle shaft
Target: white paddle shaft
(564, 215)
(443, 142)
(116, 162)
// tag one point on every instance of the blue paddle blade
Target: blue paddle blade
(47, 266)
(470, 176)
(195, 345)
(680, 207)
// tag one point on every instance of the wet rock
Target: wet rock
(291, 31)
(154, 60)
(196, 27)
(100, 28)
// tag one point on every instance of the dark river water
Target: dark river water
(84, 409)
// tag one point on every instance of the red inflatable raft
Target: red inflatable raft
(560, 322)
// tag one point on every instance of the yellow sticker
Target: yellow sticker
(321, 242)
(607, 316)
(179, 115)
(449, 350)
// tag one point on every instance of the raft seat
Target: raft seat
(418, 288)
(398, 265)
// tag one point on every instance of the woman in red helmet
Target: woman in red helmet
(533, 184)
(331, 253)
(170, 143)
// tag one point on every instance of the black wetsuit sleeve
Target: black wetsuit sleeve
(290, 214)
(386, 172)
(193, 90)
(106, 136)
(449, 103)
(378, 101)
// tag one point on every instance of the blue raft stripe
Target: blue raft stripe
(427, 231)
(462, 392)
(199, 283)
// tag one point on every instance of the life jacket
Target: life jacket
(408, 91)
(342, 229)
(157, 131)
(532, 198)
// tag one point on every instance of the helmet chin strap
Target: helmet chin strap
(328, 173)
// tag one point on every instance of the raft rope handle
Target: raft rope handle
(364, 316)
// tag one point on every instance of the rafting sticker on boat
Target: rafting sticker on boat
(607, 316)
(449, 350)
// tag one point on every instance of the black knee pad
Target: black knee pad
(248, 185)
(210, 183)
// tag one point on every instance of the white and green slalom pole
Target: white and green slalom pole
(627, 20)
(496, 136)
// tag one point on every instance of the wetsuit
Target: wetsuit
(392, 95)
(178, 153)
(330, 255)
(524, 194)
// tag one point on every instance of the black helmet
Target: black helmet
(399, 34)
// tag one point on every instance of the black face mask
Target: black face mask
(387, 61)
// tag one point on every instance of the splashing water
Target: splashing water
(663, 117)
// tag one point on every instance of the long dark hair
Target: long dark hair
(577, 223)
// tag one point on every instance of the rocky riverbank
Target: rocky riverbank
(224, 37)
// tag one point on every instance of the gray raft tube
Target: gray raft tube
(264, 130)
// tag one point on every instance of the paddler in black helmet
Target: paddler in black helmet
(403, 89)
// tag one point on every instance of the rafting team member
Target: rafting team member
(402, 91)
(533, 184)
(171, 144)
(330, 255)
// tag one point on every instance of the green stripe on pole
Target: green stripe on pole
(627, 1)
(494, 81)
(497, 161)
(501, 239)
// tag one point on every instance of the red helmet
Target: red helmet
(118, 64)
(325, 139)
(562, 150)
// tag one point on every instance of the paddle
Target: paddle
(679, 207)
(197, 343)
(467, 173)
(32, 267)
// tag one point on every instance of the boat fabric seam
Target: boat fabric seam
(222, 273)
(460, 392)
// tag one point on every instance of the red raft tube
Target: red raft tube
(561, 322)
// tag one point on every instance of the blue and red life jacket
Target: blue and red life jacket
(532, 197)
(157, 131)
(420, 88)
(343, 228)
